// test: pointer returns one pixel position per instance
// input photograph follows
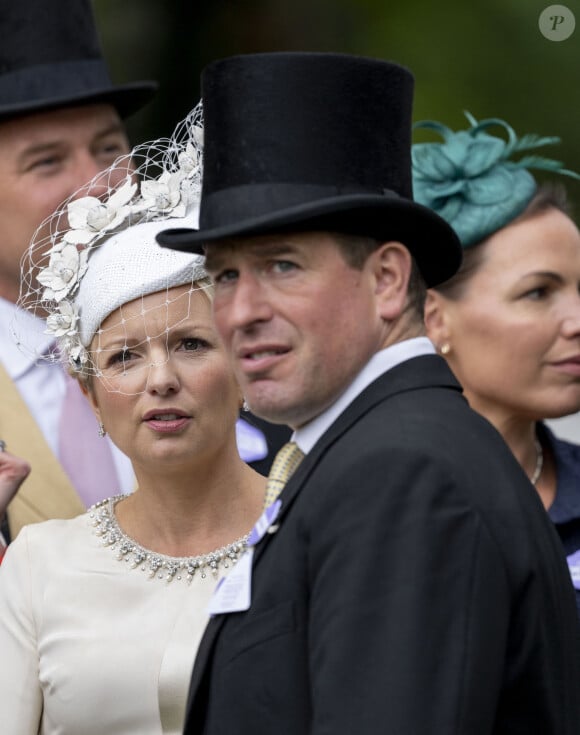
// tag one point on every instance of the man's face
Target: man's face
(44, 158)
(298, 322)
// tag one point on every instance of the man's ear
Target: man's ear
(391, 263)
(436, 319)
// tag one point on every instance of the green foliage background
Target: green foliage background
(487, 57)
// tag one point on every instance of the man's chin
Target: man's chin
(277, 411)
(268, 406)
(270, 413)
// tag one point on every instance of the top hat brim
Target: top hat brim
(430, 239)
(126, 98)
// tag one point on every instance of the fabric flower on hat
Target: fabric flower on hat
(471, 179)
(190, 158)
(174, 190)
(66, 266)
(163, 194)
(89, 216)
(191, 163)
(63, 321)
(76, 352)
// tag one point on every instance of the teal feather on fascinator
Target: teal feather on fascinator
(471, 179)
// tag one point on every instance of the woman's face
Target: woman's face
(165, 389)
(514, 331)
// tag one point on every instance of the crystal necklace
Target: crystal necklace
(102, 517)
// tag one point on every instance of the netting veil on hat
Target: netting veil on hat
(98, 251)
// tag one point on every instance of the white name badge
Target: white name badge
(233, 593)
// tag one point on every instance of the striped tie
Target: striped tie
(285, 462)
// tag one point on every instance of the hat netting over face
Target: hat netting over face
(98, 253)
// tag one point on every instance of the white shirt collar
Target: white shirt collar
(18, 323)
(307, 436)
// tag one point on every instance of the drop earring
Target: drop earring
(102, 432)
(445, 348)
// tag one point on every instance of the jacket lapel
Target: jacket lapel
(47, 492)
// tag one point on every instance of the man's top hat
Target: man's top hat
(51, 57)
(313, 141)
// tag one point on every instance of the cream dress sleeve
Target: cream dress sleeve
(20, 692)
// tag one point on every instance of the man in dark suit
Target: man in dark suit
(409, 581)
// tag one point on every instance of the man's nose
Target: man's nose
(250, 301)
(90, 179)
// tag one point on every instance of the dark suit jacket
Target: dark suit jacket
(415, 585)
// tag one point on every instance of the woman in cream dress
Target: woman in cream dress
(100, 616)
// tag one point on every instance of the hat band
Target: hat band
(239, 203)
(53, 81)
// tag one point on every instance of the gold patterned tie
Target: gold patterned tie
(283, 467)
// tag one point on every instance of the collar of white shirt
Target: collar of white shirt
(15, 324)
(307, 436)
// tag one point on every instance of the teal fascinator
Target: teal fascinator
(471, 179)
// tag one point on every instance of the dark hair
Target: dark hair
(356, 249)
(548, 195)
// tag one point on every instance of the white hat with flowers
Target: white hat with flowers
(98, 251)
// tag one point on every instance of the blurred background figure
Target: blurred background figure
(100, 615)
(508, 322)
(61, 122)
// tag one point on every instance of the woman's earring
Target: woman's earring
(245, 406)
(445, 348)
(102, 432)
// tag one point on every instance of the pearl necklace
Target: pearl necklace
(539, 462)
(103, 520)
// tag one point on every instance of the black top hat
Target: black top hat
(51, 57)
(297, 141)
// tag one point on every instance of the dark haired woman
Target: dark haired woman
(508, 322)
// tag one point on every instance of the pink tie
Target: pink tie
(86, 458)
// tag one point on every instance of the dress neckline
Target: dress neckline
(102, 518)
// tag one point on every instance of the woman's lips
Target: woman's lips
(570, 366)
(166, 422)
